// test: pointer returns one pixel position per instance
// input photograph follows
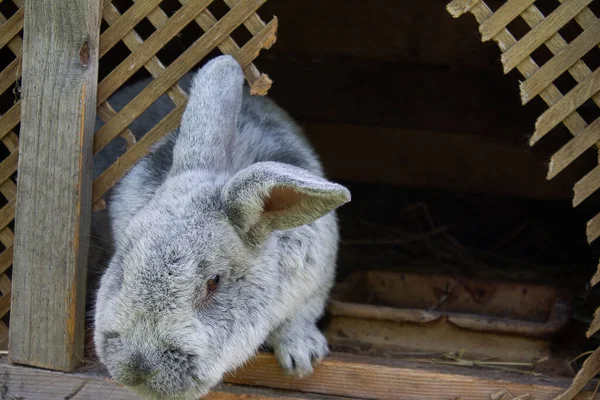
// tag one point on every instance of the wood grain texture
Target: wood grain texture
(593, 229)
(560, 63)
(590, 368)
(353, 376)
(458, 7)
(568, 104)
(10, 28)
(595, 325)
(556, 44)
(10, 74)
(573, 149)
(6, 259)
(124, 25)
(228, 46)
(53, 214)
(541, 33)
(33, 384)
(253, 23)
(586, 186)
(596, 278)
(502, 17)
(149, 48)
(10, 119)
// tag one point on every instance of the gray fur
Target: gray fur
(236, 191)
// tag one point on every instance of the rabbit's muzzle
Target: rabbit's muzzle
(166, 373)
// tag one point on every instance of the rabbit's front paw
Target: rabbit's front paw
(298, 351)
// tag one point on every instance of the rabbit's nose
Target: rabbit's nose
(136, 370)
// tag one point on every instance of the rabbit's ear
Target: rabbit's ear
(270, 196)
(209, 122)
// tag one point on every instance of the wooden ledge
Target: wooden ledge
(369, 378)
(348, 376)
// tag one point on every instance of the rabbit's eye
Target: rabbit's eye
(212, 284)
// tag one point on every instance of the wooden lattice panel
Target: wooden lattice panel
(539, 79)
(143, 54)
(122, 19)
(11, 45)
(563, 108)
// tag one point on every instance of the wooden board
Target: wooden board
(367, 378)
(60, 60)
(348, 377)
(33, 384)
(412, 158)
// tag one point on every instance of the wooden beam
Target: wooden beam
(412, 158)
(502, 17)
(60, 65)
(367, 378)
(18, 382)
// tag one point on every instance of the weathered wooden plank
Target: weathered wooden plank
(11, 28)
(10, 74)
(502, 17)
(4, 304)
(148, 49)
(253, 23)
(5, 284)
(588, 371)
(586, 186)
(560, 63)
(175, 71)
(565, 106)
(16, 43)
(8, 166)
(3, 336)
(263, 39)
(593, 229)
(573, 149)
(120, 28)
(53, 214)
(596, 278)
(32, 384)
(7, 213)
(541, 33)
(11, 141)
(10, 119)
(458, 7)
(586, 18)
(6, 259)
(343, 375)
(595, 325)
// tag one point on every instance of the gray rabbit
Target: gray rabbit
(225, 239)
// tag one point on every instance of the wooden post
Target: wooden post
(60, 66)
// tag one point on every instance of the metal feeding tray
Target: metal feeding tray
(398, 312)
